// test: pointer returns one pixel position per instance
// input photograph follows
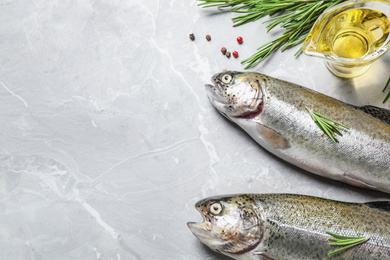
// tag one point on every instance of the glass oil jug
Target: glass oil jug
(350, 36)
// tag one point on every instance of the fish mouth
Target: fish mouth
(200, 230)
(214, 92)
(203, 232)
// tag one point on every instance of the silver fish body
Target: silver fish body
(291, 227)
(275, 113)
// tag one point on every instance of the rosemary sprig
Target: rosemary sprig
(388, 93)
(344, 241)
(295, 16)
(328, 126)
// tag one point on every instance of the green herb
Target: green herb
(328, 126)
(345, 242)
(388, 94)
(295, 16)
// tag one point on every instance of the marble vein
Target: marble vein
(14, 94)
(108, 173)
(100, 221)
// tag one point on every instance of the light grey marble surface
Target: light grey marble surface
(107, 138)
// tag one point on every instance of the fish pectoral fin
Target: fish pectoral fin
(377, 112)
(273, 137)
(357, 182)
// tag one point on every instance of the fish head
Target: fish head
(230, 226)
(236, 94)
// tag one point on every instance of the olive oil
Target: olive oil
(353, 33)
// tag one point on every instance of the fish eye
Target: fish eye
(227, 78)
(215, 208)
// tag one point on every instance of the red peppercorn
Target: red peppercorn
(235, 54)
(239, 39)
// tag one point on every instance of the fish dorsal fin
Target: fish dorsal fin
(382, 205)
(377, 112)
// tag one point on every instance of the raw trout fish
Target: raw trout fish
(284, 226)
(275, 113)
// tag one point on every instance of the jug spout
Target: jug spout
(350, 36)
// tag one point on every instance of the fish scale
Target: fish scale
(293, 227)
(275, 114)
(348, 219)
(306, 136)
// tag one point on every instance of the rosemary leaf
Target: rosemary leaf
(298, 52)
(335, 123)
(345, 241)
(388, 93)
(325, 128)
(222, 3)
(328, 126)
(338, 236)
